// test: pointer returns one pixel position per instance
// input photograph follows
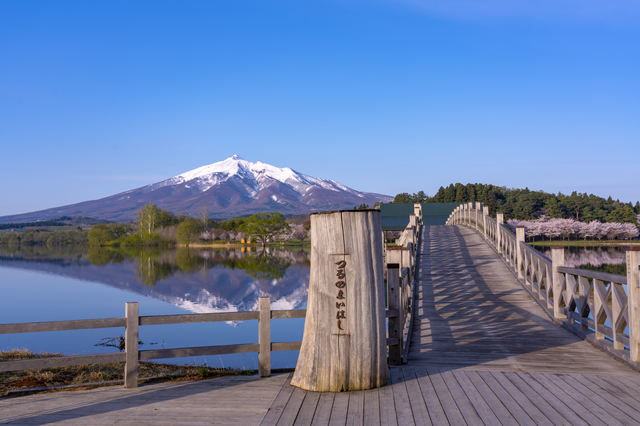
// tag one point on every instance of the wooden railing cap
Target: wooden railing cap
(632, 248)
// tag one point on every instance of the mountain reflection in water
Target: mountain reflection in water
(195, 279)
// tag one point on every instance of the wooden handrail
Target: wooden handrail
(578, 299)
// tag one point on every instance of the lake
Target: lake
(43, 284)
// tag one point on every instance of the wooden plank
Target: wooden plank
(605, 400)
(471, 416)
(523, 400)
(196, 318)
(401, 397)
(322, 415)
(339, 410)
(622, 384)
(603, 276)
(418, 405)
(285, 346)
(308, 409)
(436, 413)
(586, 413)
(355, 412)
(65, 361)
(199, 351)
(275, 411)
(505, 397)
(264, 337)
(291, 410)
(293, 313)
(131, 346)
(372, 407)
(496, 405)
(36, 327)
(596, 409)
(480, 405)
(562, 406)
(449, 405)
(387, 406)
(608, 391)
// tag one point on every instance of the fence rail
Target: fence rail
(600, 307)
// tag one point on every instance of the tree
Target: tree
(188, 231)
(264, 226)
(100, 235)
(148, 218)
(298, 232)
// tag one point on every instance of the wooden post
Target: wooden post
(395, 324)
(131, 345)
(485, 213)
(519, 254)
(264, 337)
(557, 260)
(344, 345)
(633, 298)
(499, 222)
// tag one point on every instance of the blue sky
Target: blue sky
(384, 96)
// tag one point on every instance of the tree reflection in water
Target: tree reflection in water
(154, 265)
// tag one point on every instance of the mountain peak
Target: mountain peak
(228, 188)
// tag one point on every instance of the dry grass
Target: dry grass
(95, 373)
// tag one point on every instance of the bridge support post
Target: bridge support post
(557, 260)
(499, 223)
(519, 254)
(633, 290)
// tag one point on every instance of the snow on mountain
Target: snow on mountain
(228, 188)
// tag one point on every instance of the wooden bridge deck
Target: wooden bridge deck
(482, 352)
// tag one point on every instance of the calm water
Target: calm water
(604, 259)
(39, 284)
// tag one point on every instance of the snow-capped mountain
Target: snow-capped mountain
(227, 188)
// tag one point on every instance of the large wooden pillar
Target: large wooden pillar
(344, 344)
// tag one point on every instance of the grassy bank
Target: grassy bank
(96, 374)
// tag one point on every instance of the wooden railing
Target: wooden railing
(600, 307)
(401, 267)
(132, 355)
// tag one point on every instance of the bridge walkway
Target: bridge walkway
(482, 352)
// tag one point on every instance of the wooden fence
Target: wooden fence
(400, 262)
(132, 355)
(600, 307)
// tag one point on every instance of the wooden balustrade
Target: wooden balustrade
(600, 307)
(400, 262)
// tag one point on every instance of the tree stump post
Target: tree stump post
(344, 345)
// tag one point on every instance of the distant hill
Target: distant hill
(229, 188)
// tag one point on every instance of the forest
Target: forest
(524, 204)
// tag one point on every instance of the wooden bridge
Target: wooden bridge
(487, 347)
